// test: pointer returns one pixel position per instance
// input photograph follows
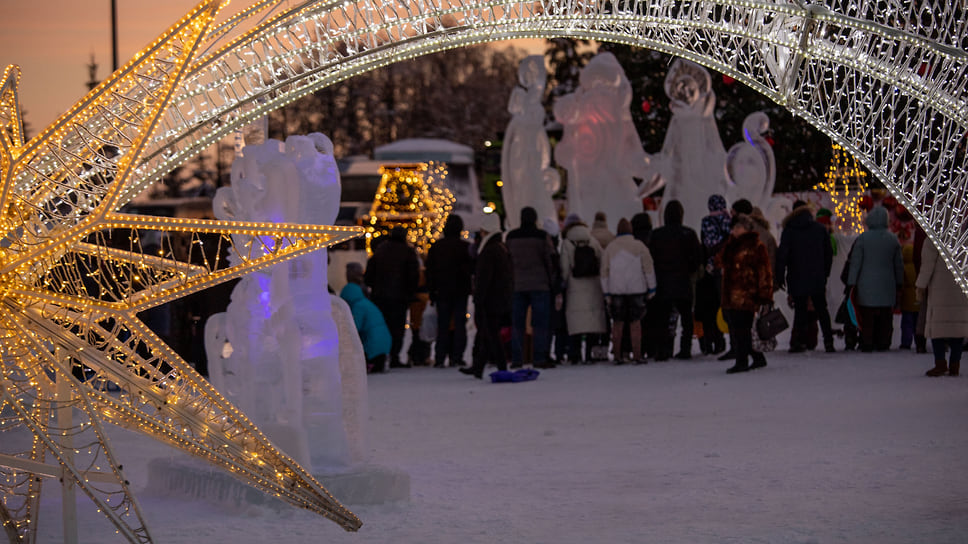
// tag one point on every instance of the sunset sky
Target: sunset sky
(52, 41)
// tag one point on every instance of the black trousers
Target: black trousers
(488, 347)
(395, 314)
(741, 336)
(664, 309)
(876, 327)
(801, 319)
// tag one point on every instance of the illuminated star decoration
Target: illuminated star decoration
(74, 276)
(412, 196)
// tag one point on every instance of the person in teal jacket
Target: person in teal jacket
(369, 321)
(876, 275)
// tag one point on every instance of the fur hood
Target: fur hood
(798, 217)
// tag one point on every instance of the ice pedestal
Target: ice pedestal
(187, 478)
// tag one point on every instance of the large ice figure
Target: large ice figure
(600, 147)
(750, 166)
(275, 351)
(692, 157)
(528, 178)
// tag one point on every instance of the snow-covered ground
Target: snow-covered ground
(815, 448)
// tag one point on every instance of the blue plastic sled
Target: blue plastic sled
(520, 375)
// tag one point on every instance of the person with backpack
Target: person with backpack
(581, 257)
(628, 281)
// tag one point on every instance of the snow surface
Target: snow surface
(815, 448)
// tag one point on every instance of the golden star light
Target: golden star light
(74, 276)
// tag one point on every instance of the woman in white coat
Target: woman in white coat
(584, 301)
(946, 323)
(628, 280)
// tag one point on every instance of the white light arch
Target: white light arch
(886, 80)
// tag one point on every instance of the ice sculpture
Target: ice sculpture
(529, 180)
(276, 348)
(692, 157)
(750, 166)
(600, 147)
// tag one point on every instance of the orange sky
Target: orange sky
(52, 41)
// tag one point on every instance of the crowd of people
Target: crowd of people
(571, 293)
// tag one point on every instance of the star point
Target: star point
(74, 274)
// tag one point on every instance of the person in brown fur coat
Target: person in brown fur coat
(747, 284)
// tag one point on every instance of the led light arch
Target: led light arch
(885, 79)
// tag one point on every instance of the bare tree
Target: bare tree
(459, 95)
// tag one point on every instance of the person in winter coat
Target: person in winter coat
(747, 284)
(535, 263)
(652, 331)
(584, 301)
(946, 323)
(803, 262)
(714, 232)
(493, 288)
(392, 274)
(678, 256)
(368, 319)
(557, 327)
(628, 280)
(876, 275)
(600, 230)
(449, 270)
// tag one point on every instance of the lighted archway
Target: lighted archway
(886, 80)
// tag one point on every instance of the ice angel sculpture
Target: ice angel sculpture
(275, 351)
(692, 157)
(528, 178)
(600, 147)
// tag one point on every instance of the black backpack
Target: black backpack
(586, 262)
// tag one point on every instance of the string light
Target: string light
(74, 275)
(412, 196)
(846, 182)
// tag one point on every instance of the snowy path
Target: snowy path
(815, 448)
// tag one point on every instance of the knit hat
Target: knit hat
(571, 219)
(743, 206)
(550, 226)
(354, 272)
(824, 216)
(491, 222)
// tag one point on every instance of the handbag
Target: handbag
(428, 324)
(770, 322)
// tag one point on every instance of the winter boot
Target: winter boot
(740, 366)
(940, 368)
(954, 368)
(759, 360)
